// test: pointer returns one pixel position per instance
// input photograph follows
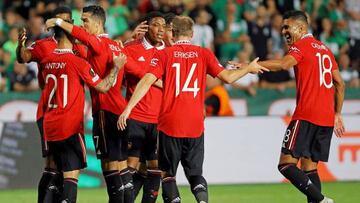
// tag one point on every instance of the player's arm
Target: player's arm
(274, 65)
(230, 76)
(23, 55)
(339, 100)
(141, 89)
(108, 81)
(80, 34)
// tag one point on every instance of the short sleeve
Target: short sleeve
(36, 51)
(87, 74)
(296, 52)
(334, 63)
(213, 67)
(157, 66)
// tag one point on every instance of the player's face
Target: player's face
(291, 31)
(156, 30)
(168, 37)
(89, 23)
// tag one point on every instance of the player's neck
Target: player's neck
(64, 43)
(182, 38)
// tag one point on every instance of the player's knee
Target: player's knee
(282, 167)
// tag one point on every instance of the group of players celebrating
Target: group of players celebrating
(141, 139)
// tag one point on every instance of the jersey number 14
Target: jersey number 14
(195, 89)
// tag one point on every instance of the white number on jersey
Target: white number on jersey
(195, 89)
(324, 70)
(52, 93)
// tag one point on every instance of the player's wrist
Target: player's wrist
(59, 21)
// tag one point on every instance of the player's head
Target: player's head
(64, 13)
(168, 37)
(157, 25)
(182, 27)
(93, 18)
(295, 25)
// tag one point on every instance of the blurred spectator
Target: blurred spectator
(353, 10)
(233, 33)
(277, 40)
(205, 5)
(11, 44)
(217, 99)
(348, 74)
(5, 62)
(36, 29)
(279, 80)
(336, 43)
(203, 33)
(22, 79)
(259, 31)
(121, 14)
(76, 11)
(2, 83)
(248, 83)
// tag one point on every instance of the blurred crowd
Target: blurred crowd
(234, 29)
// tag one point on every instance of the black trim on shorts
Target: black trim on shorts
(69, 154)
(188, 151)
(110, 142)
(142, 139)
(305, 139)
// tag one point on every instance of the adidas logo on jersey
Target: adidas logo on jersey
(141, 58)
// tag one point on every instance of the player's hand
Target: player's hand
(121, 124)
(22, 37)
(120, 60)
(236, 65)
(50, 23)
(339, 126)
(255, 68)
(140, 30)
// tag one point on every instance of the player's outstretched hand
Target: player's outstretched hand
(255, 68)
(339, 126)
(22, 37)
(140, 30)
(120, 60)
(121, 124)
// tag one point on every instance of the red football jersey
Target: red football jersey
(314, 82)
(41, 49)
(100, 56)
(147, 110)
(64, 93)
(183, 68)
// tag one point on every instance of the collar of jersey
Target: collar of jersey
(63, 51)
(103, 35)
(307, 35)
(183, 42)
(148, 46)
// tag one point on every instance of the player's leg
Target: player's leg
(107, 149)
(71, 155)
(320, 147)
(54, 186)
(296, 144)
(50, 173)
(139, 175)
(169, 157)
(152, 182)
(192, 161)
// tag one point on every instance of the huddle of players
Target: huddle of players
(123, 133)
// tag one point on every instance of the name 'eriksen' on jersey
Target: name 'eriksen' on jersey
(191, 54)
(60, 65)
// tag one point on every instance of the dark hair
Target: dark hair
(96, 11)
(61, 10)
(169, 17)
(152, 15)
(296, 15)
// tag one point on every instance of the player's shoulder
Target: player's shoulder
(49, 41)
(133, 44)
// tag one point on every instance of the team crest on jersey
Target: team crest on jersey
(154, 61)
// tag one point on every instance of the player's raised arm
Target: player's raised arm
(230, 76)
(23, 55)
(141, 89)
(339, 99)
(108, 81)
